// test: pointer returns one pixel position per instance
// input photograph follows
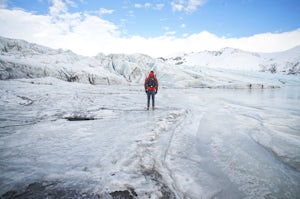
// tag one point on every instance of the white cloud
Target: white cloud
(103, 11)
(159, 6)
(130, 13)
(177, 7)
(137, 5)
(170, 33)
(88, 35)
(166, 28)
(148, 5)
(71, 3)
(193, 5)
(163, 19)
(188, 6)
(145, 5)
(182, 25)
(58, 7)
(82, 33)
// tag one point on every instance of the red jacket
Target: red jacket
(149, 88)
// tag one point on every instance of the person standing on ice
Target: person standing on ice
(151, 87)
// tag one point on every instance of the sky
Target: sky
(156, 28)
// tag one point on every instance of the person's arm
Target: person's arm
(145, 84)
(156, 85)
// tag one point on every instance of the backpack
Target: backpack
(151, 82)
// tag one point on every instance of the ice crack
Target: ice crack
(26, 101)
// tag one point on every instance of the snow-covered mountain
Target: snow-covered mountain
(287, 62)
(20, 59)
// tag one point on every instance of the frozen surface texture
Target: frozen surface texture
(61, 139)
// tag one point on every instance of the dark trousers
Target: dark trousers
(150, 94)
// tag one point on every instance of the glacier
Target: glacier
(216, 133)
(20, 59)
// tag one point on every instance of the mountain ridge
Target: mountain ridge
(21, 59)
(286, 62)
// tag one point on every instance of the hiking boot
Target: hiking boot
(152, 107)
(148, 108)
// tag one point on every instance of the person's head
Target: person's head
(151, 74)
